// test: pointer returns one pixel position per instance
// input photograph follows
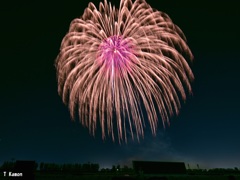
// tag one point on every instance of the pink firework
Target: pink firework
(115, 65)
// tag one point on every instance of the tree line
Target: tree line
(76, 168)
(53, 167)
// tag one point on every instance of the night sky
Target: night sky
(36, 125)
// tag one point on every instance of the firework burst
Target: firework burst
(113, 63)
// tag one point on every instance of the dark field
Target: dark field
(48, 176)
(167, 177)
(141, 170)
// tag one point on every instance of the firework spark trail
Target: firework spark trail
(112, 62)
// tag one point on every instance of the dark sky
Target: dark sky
(35, 125)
